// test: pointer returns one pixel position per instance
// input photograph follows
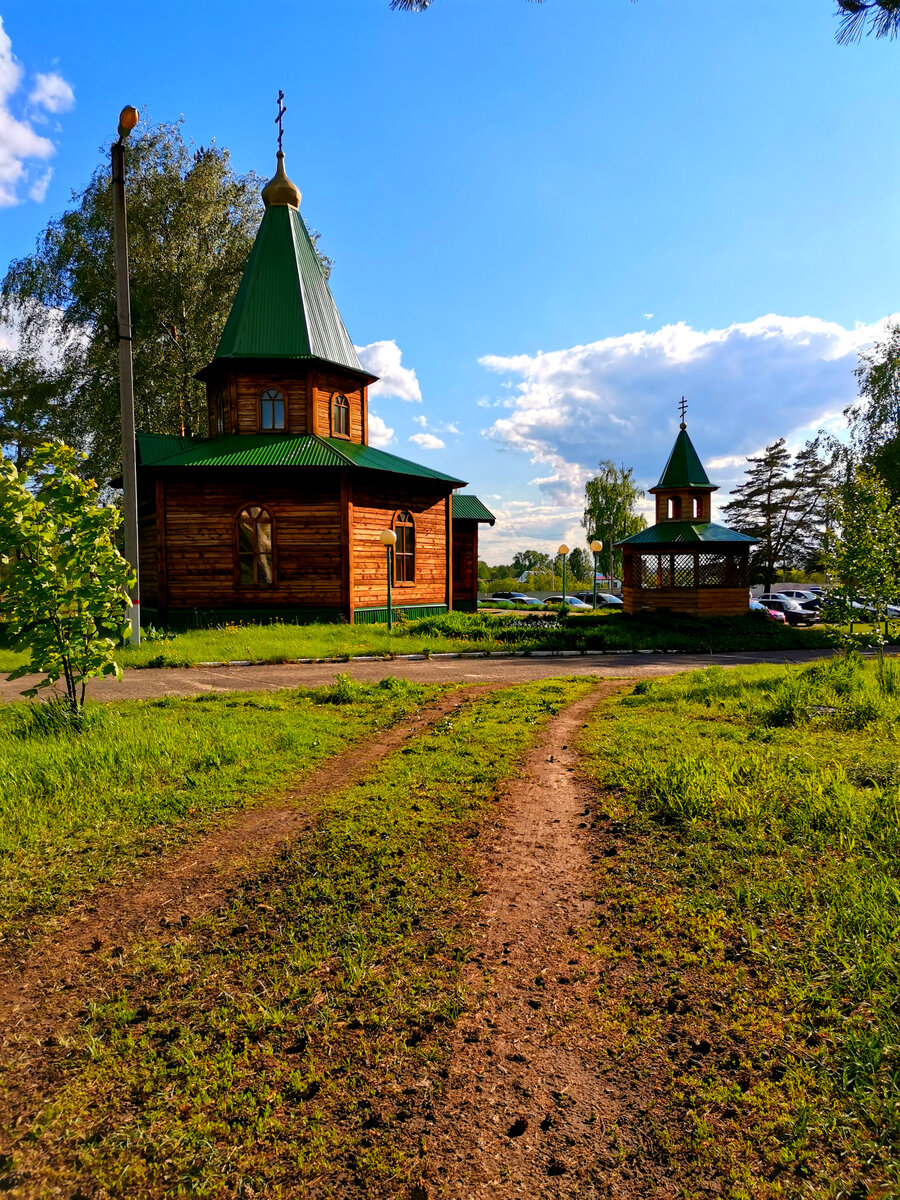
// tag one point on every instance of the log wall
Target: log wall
(200, 531)
(465, 564)
(700, 602)
(374, 509)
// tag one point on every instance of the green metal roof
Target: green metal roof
(467, 507)
(684, 468)
(276, 450)
(669, 532)
(283, 308)
(152, 447)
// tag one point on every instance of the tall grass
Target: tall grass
(776, 797)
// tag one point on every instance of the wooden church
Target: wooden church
(278, 513)
(685, 562)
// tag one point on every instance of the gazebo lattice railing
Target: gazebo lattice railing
(693, 570)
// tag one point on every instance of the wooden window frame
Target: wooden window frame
(256, 586)
(396, 525)
(336, 397)
(264, 395)
(697, 503)
(674, 508)
(219, 425)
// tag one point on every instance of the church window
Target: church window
(405, 550)
(340, 415)
(220, 413)
(698, 506)
(255, 547)
(271, 410)
(674, 508)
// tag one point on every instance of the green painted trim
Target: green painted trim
(377, 616)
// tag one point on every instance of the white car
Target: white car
(570, 602)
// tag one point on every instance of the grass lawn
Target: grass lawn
(454, 632)
(76, 810)
(750, 918)
(281, 1048)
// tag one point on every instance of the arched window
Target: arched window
(405, 550)
(340, 415)
(271, 410)
(255, 547)
(698, 506)
(220, 413)
(674, 508)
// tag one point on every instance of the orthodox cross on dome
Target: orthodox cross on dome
(683, 407)
(282, 109)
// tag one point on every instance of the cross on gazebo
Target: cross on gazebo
(683, 407)
(282, 109)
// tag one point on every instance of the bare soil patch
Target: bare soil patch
(527, 1109)
(41, 993)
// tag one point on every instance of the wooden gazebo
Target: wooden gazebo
(685, 562)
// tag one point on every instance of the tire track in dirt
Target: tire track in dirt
(526, 1108)
(68, 966)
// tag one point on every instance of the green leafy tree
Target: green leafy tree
(579, 568)
(610, 510)
(874, 419)
(864, 556)
(191, 222)
(27, 401)
(529, 560)
(65, 585)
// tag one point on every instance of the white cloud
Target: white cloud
(38, 189)
(419, 419)
(21, 148)
(51, 92)
(384, 360)
(746, 385)
(379, 433)
(427, 441)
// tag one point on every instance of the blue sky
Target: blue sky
(560, 217)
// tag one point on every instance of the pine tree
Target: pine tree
(783, 503)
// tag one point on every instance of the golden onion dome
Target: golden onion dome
(279, 189)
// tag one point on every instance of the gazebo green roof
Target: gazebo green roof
(283, 307)
(684, 468)
(670, 533)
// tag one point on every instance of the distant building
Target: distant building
(277, 513)
(685, 562)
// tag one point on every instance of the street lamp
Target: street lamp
(563, 551)
(128, 118)
(389, 541)
(596, 547)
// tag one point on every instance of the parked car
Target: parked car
(531, 601)
(494, 603)
(604, 599)
(793, 613)
(756, 606)
(569, 601)
(508, 596)
(799, 594)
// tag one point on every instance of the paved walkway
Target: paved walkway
(189, 681)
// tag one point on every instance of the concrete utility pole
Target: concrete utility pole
(128, 118)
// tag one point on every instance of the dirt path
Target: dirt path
(38, 996)
(527, 1110)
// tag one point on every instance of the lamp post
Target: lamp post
(596, 547)
(563, 551)
(128, 118)
(389, 541)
